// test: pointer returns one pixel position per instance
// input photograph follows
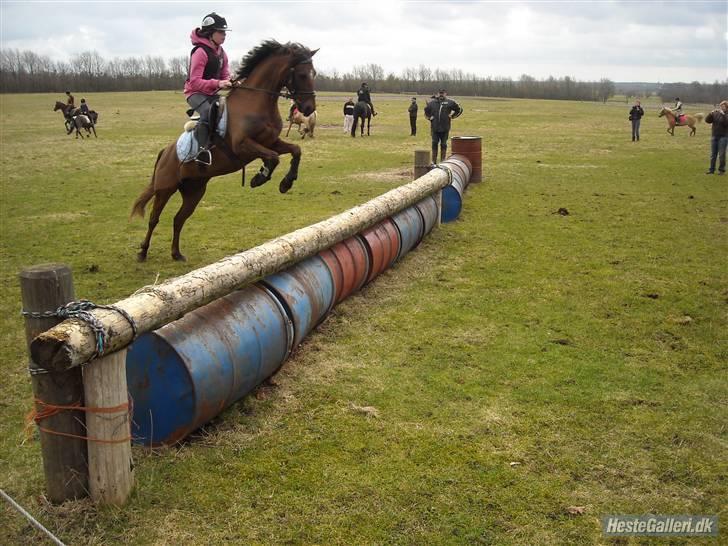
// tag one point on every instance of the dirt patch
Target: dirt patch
(386, 175)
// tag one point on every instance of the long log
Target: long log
(72, 342)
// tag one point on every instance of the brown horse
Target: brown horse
(690, 121)
(306, 124)
(254, 128)
(69, 111)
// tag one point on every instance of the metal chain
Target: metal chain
(448, 171)
(81, 310)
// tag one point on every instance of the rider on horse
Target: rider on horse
(363, 96)
(677, 110)
(208, 73)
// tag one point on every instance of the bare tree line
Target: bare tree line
(26, 71)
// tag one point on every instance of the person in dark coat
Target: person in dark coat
(348, 115)
(362, 95)
(413, 116)
(440, 112)
(719, 138)
(635, 115)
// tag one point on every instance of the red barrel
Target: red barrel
(382, 244)
(470, 147)
(348, 262)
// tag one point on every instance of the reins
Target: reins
(290, 93)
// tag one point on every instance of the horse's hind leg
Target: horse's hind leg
(192, 192)
(160, 200)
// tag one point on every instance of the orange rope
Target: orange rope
(49, 410)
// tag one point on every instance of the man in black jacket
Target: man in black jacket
(635, 116)
(413, 116)
(440, 111)
(719, 138)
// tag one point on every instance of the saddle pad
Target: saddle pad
(187, 145)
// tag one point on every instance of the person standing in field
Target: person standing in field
(348, 115)
(635, 116)
(208, 73)
(719, 138)
(413, 116)
(441, 111)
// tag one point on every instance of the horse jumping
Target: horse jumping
(306, 124)
(254, 128)
(362, 111)
(689, 121)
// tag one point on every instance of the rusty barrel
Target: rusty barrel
(428, 209)
(382, 244)
(348, 262)
(185, 373)
(306, 291)
(470, 147)
(411, 229)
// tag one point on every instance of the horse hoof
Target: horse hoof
(179, 257)
(285, 185)
(258, 180)
(142, 257)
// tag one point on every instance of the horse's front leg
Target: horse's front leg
(269, 157)
(283, 147)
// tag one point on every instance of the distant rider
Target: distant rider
(677, 109)
(362, 95)
(208, 73)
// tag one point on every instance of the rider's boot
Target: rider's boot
(204, 157)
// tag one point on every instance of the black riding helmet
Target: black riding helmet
(213, 21)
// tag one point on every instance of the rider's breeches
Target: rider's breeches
(202, 104)
(439, 137)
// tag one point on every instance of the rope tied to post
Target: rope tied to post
(43, 410)
(81, 310)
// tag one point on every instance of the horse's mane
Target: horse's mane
(271, 47)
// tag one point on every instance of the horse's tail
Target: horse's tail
(137, 208)
(699, 117)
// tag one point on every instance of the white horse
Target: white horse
(306, 124)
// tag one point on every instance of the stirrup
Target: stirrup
(204, 157)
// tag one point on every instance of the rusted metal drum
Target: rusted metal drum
(428, 209)
(306, 292)
(382, 244)
(470, 147)
(185, 373)
(411, 229)
(348, 262)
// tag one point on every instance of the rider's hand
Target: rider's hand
(224, 84)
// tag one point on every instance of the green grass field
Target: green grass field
(520, 362)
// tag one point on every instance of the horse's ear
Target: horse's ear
(314, 51)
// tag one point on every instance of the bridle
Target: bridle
(291, 91)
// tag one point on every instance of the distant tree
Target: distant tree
(606, 89)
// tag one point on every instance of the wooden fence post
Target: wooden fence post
(422, 163)
(110, 467)
(45, 288)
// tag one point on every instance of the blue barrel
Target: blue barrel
(428, 209)
(306, 292)
(452, 200)
(185, 373)
(411, 228)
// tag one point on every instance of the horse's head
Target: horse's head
(59, 106)
(290, 65)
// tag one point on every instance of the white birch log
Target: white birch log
(72, 342)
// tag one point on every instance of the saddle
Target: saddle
(187, 145)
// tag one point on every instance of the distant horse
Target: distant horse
(689, 121)
(69, 111)
(362, 111)
(253, 131)
(79, 122)
(306, 124)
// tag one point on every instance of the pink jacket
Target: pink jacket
(198, 61)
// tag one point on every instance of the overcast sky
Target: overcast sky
(620, 40)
